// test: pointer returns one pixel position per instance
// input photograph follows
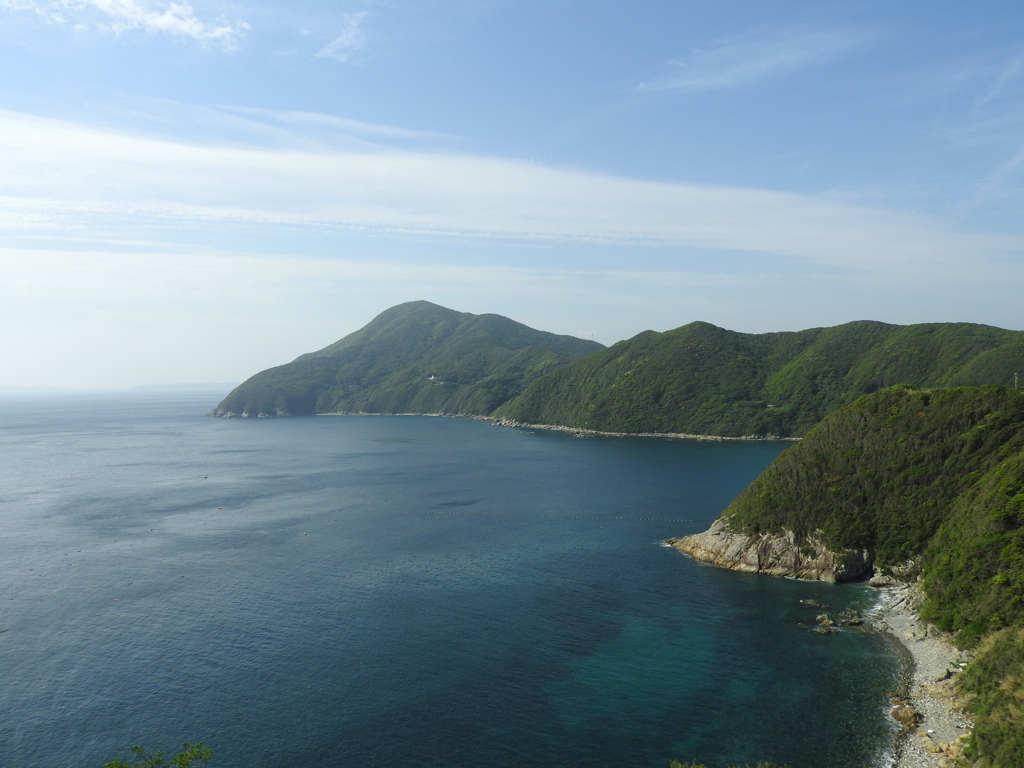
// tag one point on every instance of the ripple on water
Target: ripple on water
(373, 592)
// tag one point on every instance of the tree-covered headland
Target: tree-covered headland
(934, 476)
(413, 358)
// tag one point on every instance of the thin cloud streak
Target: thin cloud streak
(102, 277)
(64, 178)
(1010, 73)
(987, 121)
(751, 57)
(307, 120)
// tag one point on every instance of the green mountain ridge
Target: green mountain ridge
(936, 476)
(701, 379)
(696, 379)
(416, 357)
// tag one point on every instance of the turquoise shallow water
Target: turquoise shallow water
(399, 591)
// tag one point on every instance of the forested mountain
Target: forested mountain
(697, 379)
(413, 358)
(936, 475)
(701, 379)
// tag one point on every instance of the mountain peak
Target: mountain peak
(416, 357)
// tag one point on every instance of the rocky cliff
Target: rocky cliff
(775, 554)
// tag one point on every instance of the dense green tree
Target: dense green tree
(995, 684)
(191, 756)
(904, 473)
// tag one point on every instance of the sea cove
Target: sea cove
(401, 590)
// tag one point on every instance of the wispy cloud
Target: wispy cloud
(256, 127)
(59, 177)
(754, 56)
(349, 41)
(306, 121)
(1010, 71)
(119, 16)
(983, 114)
(982, 78)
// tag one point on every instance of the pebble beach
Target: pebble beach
(935, 741)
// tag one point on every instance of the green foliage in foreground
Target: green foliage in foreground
(191, 756)
(677, 764)
(413, 358)
(701, 379)
(994, 684)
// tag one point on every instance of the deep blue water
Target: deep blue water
(413, 591)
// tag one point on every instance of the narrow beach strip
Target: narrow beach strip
(581, 432)
(931, 688)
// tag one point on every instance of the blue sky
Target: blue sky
(196, 191)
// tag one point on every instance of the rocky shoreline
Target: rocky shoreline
(774, 554)
(930, 717)
(933, 723)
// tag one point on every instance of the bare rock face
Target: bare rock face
(773, 554)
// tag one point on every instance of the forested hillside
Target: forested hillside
(701, 379)
(931, 474)
(697, 379)
(413, 358)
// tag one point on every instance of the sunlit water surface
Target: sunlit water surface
(399, 591)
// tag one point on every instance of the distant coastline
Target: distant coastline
(502, 422)
(510, 423)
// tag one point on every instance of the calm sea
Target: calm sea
(399, 591)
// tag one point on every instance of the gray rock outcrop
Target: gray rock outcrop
(776, 554)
